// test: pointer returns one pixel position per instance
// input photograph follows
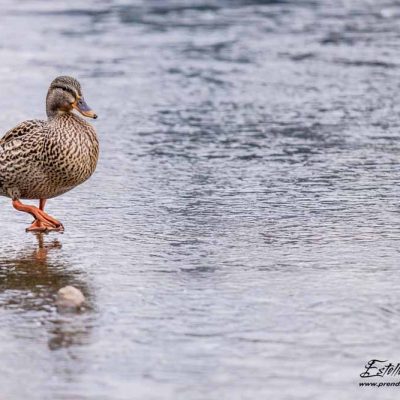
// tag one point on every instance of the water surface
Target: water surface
(240, 238)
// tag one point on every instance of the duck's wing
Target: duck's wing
(20, 155)
(22, 131)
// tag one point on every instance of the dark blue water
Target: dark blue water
(240, 238)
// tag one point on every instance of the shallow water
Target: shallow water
(240, 237)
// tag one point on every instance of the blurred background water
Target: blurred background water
(240, 237)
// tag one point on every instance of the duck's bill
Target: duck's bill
(84, 109)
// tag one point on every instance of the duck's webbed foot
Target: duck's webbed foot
(39, 226)
(43, 221)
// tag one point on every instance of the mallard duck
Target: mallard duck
(44, 159)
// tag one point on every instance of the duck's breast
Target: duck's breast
(70, 155)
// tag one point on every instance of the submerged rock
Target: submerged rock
(69, 297)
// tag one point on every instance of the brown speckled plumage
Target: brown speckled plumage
(44, 159)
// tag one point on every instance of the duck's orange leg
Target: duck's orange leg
(42, 203)
(43, 221)
(37, 225)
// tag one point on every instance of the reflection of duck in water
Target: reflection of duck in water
(40, 253)
(32, 271)
(29, 281)
(44, 159)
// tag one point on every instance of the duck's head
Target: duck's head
(64, 96)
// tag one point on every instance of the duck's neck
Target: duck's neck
(54, 114)
(69, 121)
(63, 117)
